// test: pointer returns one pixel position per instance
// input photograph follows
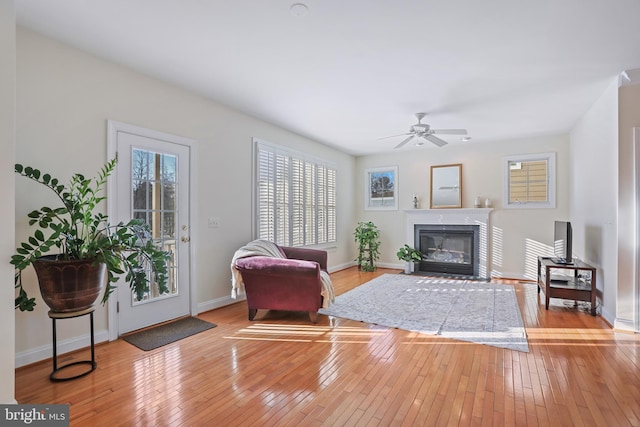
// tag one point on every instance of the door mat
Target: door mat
(158, 336)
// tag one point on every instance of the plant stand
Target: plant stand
(55, 315)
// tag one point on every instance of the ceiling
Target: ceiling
(352, 71)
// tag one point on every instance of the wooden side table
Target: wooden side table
(55, 315)
(577, 287)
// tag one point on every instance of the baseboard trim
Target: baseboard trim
(339, 267)
(218, 302)
(623, 324)
(45, 352)
(391, 265)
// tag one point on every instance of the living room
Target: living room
(65, 96)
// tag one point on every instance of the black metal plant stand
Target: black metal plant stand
(55, 315)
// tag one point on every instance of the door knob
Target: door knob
(185, 239)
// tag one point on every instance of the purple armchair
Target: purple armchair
(292, 283)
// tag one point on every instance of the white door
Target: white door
(152, 183)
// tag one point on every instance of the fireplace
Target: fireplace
(474, 217)
(448, 249)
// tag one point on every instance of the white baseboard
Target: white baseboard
(339, 267)
(218, 302)
(621, 324)
(45, 352)
(391, 265)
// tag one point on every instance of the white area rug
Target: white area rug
(466, 310)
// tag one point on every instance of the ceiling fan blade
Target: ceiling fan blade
(393, 136)
(450, 131)
(403, 142)
(439, 142)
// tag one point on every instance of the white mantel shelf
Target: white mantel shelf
(457, 211)
(458, 216)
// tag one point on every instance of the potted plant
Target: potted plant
(366, 236)
(88, 246)
(409, 255)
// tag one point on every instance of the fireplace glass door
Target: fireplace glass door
(450, 250)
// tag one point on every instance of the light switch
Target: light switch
(214, 222)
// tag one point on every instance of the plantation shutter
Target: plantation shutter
(295, 197)
(528, 182)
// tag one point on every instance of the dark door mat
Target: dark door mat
(158, 336)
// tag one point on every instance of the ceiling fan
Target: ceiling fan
(424, 131)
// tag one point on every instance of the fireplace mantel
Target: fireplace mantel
(476, 216)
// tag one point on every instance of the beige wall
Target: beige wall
(629, 117)
(7, 226)
(517, 234)
(594, 195)
(65, 98)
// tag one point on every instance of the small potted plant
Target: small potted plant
(409, 255)
(89, 247)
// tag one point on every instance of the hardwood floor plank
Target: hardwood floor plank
(281, 370)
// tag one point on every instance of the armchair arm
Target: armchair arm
(307, 254)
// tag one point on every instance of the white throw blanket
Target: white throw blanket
(267, 248)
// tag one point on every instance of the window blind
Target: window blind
(295, 197)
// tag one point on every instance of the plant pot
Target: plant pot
(408, 267)
(69, 285)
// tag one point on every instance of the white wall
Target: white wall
(594, 194)
(629, 117)
(517, 234)
(7, 155)
(64, 100)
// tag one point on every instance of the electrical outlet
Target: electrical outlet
(214, 222)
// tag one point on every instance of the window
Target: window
(530, 181)
(295, 197)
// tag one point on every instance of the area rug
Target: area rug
(149, 339)
(465, 310)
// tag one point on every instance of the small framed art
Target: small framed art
(381, 188)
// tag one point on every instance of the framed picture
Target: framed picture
(381, 188)
(446, 186)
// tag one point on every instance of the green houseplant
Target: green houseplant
(409, 255)
(88, 246)
(366, 236)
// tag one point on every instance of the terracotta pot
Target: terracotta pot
(72, 285)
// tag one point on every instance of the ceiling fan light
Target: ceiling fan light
(419, 143)
(465, 139)
(299, 9)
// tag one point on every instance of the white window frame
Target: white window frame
(309, 200)
(550, 158)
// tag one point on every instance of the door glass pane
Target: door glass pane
(153, 200)
(139, 195)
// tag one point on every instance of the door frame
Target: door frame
(113, 127)
(636, 258)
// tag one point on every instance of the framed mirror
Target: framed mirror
(446, 186)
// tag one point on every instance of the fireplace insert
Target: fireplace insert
(448, 249)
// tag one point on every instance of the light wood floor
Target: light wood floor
(280, 370)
